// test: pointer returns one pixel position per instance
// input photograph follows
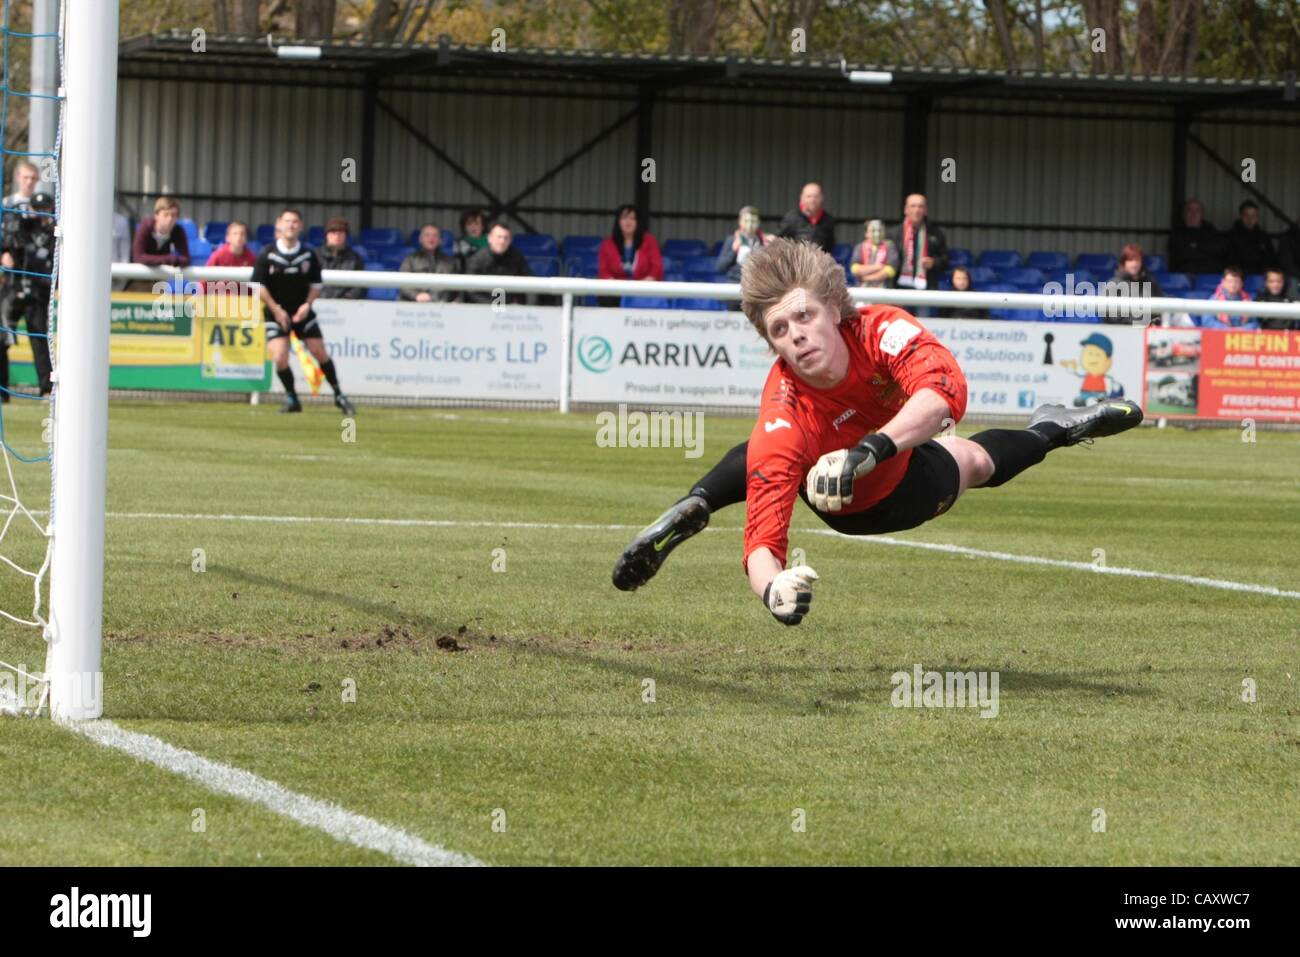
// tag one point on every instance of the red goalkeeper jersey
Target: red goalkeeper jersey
(891, 356)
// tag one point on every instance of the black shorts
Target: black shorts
(309, 328)
(927, 489)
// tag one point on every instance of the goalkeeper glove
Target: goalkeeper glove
(789, 594)
(830, 481)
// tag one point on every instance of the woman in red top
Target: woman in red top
(628, 252)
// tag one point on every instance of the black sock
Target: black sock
(286, 378)
(1055, 434)
(725, 483)
(1014, 450)
(331, 376)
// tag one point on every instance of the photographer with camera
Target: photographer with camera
(27, 241)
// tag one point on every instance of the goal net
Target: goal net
(55, 302)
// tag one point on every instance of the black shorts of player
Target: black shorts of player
(927, 489)
(309, 328)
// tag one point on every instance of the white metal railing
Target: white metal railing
(1135, 308)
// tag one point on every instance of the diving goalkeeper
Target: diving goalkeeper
(847, 422)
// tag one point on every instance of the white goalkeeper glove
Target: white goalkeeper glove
(789, 594)
(830, 481)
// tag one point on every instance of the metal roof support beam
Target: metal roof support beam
(496, 205)
(645, 115)
(1234, 173)
(369, 107)
(916, 144)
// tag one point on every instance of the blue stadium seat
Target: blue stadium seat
(960, 257)
(361, 251)
(215, 231)
(200, 250)
(544, 266)
(1102, 263)
(675, 276)
(265, 233)
(1022, 276)
(1172, 282)
(644, 302)
(379, 292)
(1208, 281)
(1048, 261)
(699, 266)
(684, 248)
(392, 256)
(190, 228)
(315, 235)
(375, 267)
(980, 275)
(842, 253)
(1063, 277)
(1255, 284)
(1000, 258)
(715, 249)
(536, 244)
(581, 264)
(380, 236)
(573, 245)
(705, 304)
(1154, 263)
(255, 246)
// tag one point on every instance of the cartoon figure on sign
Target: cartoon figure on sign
(1092, 366)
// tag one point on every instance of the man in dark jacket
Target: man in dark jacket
(429, 257)
(337, 254)
(1249, 246)
(500, 258)
(1275, 291)
(1196, 246)
(922, 246)
(810, 221)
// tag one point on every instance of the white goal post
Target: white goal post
(79, 406)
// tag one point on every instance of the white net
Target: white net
(27, 309)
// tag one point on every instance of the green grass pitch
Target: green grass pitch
(1116, 693)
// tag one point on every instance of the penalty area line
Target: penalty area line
(1194, 580)
(339, 823)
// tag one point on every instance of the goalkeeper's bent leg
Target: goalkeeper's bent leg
(723, 485)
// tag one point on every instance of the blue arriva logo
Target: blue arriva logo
(595, 353)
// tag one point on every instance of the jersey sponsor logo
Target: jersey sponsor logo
(844, 417)
(778, 424)
(894, 335)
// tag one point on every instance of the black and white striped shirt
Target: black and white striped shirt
(288, 275)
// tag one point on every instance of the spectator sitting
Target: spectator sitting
(810, 222)
(337, 254)
(961, 283)
(1196, 246)
(1131, 270)
(233, 252)
(875, 260)
(1230, 290)
(738, 244)
(429, 257)
(159, 241)
(498, 258)
(473, 236)
(628, 252)
(1249, 246)
(1275, 291)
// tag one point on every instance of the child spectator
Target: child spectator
(961, 283)
(738, 244)
(1230, 290)
(875, 260)
(1275, 291)
(473, 236)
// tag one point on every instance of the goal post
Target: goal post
(79, 406)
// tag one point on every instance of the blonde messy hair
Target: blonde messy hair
(772, 271)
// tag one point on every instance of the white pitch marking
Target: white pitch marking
(1197, 580)
(339, 823)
